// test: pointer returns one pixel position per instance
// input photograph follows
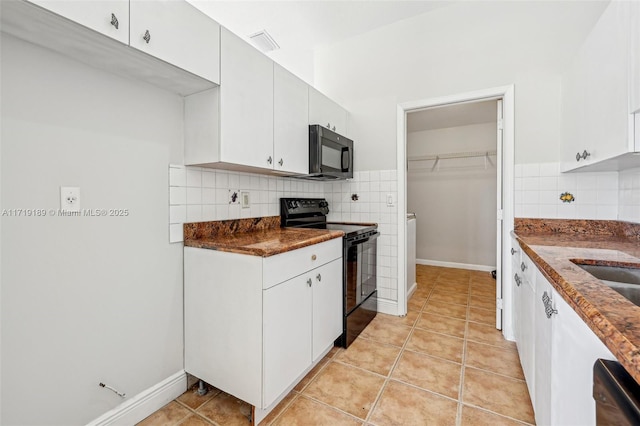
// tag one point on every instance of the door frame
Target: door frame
(506, 94)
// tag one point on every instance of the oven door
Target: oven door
(360, 270)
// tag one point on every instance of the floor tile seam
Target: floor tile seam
(315, 376)
(515, 350)
(484, 342)
(493, 372)
(377, 342)
(346, 364)
(432, 392)
(285, 408)
(194, 411)
(463, 362)
(482, 323)
(440, 333)
(486, 410)
(391, 370)
(333, 407)
(441, 315)
(436, 357)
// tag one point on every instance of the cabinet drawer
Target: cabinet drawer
(284, 266)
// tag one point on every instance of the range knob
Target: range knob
(323, 204)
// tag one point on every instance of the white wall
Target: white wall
(85, 299)
(456, 49)
(455, 204)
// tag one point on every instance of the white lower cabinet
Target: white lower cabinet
(557, 351)
(524, 295)
(574, 350)
(254, 331)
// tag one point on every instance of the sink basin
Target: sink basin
(624, 280)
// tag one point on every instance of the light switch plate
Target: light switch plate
(244, 199)
(70, 198)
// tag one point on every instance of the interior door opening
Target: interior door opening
(457, 172)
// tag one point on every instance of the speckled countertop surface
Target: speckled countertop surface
(553, 244)
(256, 236)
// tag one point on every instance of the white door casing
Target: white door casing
(506, 161)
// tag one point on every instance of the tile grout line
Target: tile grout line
(397, 361)
(464, 358)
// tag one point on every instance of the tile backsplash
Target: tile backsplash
(629, 195)
(538, 188)
(199, 194)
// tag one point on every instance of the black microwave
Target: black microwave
(330, 154)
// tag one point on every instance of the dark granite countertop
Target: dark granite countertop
(553, 244)
(256, 236)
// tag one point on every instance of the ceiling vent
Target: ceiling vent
(264, 41)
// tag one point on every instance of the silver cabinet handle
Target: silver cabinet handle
(114, 21)
(319, 277)
(523, 266)
(281, 162)
(269, 160)
(314, 257)
(513, 251)
(309, 282)
(329, 126)
(583, 156)
(146, 37)
(333, 128)
(548, 305)
(517, 280)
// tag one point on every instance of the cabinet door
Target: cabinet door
(527, 348)
(246, 104)
(597, 91)
(108, 17)
(327, 306)
(325, 112)
(542, 355)
(286, 335)
(634, 57)
(575, 348)
(290, 122)
(177, 33)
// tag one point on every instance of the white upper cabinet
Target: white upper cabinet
(181, 51)
(246, 104)
(326, 112)
(290, 122)
(177, 33)
(634, 98)
(596, 91)
(108, 17)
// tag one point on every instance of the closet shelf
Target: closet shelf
(453, 155)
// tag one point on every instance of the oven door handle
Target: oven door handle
(363, 240)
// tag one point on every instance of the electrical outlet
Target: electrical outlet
(390, 200)
(234, 196)
(70, 198)
(244, 197)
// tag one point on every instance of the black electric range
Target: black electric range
(359, 248)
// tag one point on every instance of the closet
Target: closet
(452, 174)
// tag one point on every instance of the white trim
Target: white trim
(468, 266)
(140, 406)
(412, 290)
(386, 306)
(506, 93)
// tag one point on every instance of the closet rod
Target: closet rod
(453, 155)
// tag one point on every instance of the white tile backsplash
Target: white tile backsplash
(538, 188)
(629, 195)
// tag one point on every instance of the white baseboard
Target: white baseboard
(386, 306)
(455, 265)
(145, 403)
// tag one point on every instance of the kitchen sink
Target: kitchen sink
(624, 280)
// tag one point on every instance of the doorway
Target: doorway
(447, 157)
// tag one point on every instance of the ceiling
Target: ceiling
(462, 114)
(299, 26)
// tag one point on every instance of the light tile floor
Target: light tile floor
(442, 364)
